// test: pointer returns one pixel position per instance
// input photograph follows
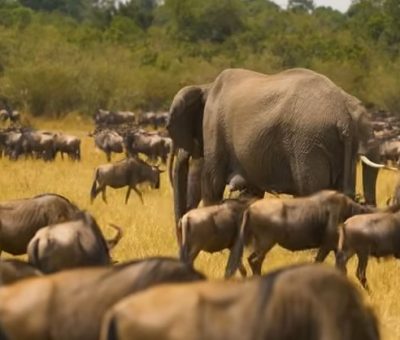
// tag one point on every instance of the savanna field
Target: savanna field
(149, 228)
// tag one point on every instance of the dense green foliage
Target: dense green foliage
(58, 56)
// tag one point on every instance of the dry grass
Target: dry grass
(149, 228)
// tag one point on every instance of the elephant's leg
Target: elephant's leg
(213, 180)
(194, 183)
(180, 183)
(362, 268)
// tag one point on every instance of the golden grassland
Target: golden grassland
(149, 228)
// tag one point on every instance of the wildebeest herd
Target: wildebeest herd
(70, 288)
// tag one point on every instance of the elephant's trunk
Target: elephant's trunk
(180, 180)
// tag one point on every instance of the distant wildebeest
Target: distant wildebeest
(105, 117)
(154, 119)
(211, 229)
(376, 234)
(71, 145)
(109, 141)
(127, 172)
(390, 151)
(304, 302)
(152, 145)
(21, 219)
(12, 115)
(70, 305)
(35, 143)
(14, 270)
(71, 244)
(294, 224)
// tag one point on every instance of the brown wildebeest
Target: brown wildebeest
(211, 229)
(21, 219)
(128, 172)
(71, 145)
(109, 141)
(306, 302)
(71, 244)
(14, 270)
(70, 305)
(376, 234)
(293, 223)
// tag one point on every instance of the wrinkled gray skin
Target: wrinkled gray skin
(71, 304)
(376, 235)
(21, 219)
(70, 244)
(294, 224)
(15, 270)
(210, 229)
(128, 172)
(307, 302)
(294, 132)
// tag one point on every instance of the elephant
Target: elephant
(293, 132)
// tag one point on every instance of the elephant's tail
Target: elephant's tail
(184, 230)
(235, 257)
(171, 164)
(93, 190)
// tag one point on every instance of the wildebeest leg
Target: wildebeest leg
(322, 254)
(108, 155)
(139, 194)
(361, 269)
(341, 259)
(127, 195)
(242, 270)
(103, 194)
(256, 260)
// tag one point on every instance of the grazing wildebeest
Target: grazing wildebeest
(12, 115)
(71, 145)
(211, 229)
(14, 270)
(295, 224)
(305, 302)
(109, 141)
(38, 143)
(21, 219)
(127, 172)
(152, 145)
(106, 117)
(376, 234)
(71, 244)
(70, 305)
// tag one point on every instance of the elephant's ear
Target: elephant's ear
(185, 121)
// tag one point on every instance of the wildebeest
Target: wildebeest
(109, 141)
(154, 119)
(376, 234)
(13, 115)
(150, 144)
(211, 229)
(14, 270)
(71, 304)
(295, 224)
(71, 244)
(105, 117)
(127, 172)
(305, 302)
(40, 144)
(71, 145)
(21, 219)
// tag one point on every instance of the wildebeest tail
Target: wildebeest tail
(112, 242)
(184, 229)
(94, 187)
(235, 257)
(340, 248)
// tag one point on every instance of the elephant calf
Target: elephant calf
(301, 302)
(376, 234)
(295, 224)
(128, 172)
(71, 244)
(211, 229)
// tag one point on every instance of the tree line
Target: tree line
(59, 56)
